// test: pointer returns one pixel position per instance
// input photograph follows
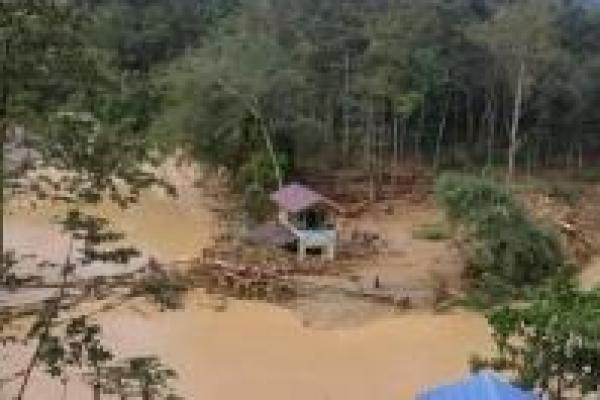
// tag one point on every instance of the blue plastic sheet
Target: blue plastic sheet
(482, 386)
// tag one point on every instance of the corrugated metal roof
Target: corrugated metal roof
(296, 197)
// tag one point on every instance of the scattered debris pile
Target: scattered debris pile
(255, 274)
(579, 224)
(356, 186)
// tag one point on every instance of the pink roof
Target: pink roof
(295, 197)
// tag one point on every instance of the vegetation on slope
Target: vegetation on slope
(507, 253)
(552, 342)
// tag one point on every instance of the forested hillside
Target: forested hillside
(101, 99)
(374, 84)
(371, 85)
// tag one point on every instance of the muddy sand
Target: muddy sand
(254, 350)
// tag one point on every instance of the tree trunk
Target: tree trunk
(346, 150)
(97, 391)
(440, 136)
(470, 122)
(492, 131)
(5, 92)
(395, 162)
(49, 314)
(403, 138)
(513, 146)
(370, 151)
(27, 374)
(580, 156)
(121, 390)
(269, 144)
(419, 134)
(252, 107)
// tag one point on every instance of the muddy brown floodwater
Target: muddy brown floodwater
(254, 350)
(261, 352)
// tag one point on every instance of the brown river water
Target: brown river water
(252, 350)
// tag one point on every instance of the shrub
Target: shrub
(551, 342)
(432, 232)
(568, 194)
(506, 252)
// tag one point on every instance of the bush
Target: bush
(588, 175)
(551, 342)
(568, 194)
(432, 232)
(506, 252)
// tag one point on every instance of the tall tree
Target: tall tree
(522, 38)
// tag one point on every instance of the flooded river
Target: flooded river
(252, 350)
(261, 352)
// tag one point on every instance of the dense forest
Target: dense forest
(295, 84)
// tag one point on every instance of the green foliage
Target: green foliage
(436, 232)
(7, 275)
(569, 194)
(464, 197)
(551, 342)
(255, 179)
(77, 345)
(329, 82)
(151, 377)
(258, 171)
(507, 253)
(164, 290)
(94, 233)
(43, 58)
(143, 34)
(138, 377)
(588, 175)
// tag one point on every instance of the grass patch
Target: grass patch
(435, 232)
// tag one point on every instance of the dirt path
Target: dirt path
(406, 260)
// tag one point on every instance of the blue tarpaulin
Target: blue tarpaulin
(482, 386)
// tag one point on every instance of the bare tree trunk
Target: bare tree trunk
(528, 162)
(97, 391)
(50, 313)
(580, 156)
(370, 151)
(569, 158)
(440, 136)
(252, 106)
(4, 78)
(27, 373)
(492, 130)
(513, 146)
(456, 137)
(395, 162)
(419, 134)
(146, 395)
(403, 138)
(470, 121)
(346, 150)
(64, 382)
(121, 390)
(269, 144)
